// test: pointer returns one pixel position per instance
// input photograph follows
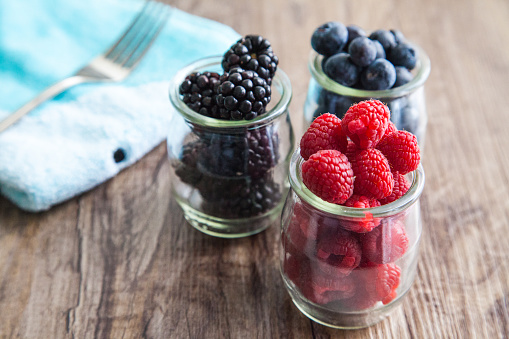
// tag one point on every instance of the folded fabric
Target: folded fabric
(91, 132)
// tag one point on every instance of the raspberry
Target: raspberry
(361, 225)
(361, 201)
(198, 93)
(324, 133)
(254, 53)
(351, 150)
(401, 186)
(340, 250)
(386, 243)
(322, 289)
(301, 233)
(329, 175)
(373, 177)
(391, 128)
(401, 150)
(365, 123)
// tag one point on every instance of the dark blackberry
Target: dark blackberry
(241, 95)
(239, 198)
(251, 154)
(198, 93)
(186, 169)
(253, 53)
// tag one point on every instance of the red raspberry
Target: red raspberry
(324, 133)
(296, 242)
(365, 123)
(361, 201)
(373, 177)
(340, 252)
(401, 186)
(401, 150)
(391, 128)
(361, 225)
(351, 150)
(386, 243)
(329, 175)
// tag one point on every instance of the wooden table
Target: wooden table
(121, 262)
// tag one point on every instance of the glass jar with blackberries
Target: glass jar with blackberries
(348, 66)
(231, 140)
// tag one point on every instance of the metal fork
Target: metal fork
(113, 65)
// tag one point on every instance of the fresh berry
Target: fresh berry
(365, 123)
(198, 93)
(242, 95)
(380, 51)
(398, 36)
(391, 127)
(386, 38)
(324, 133)
(329, 38)
(330, 102)
(379, 75)
(410, 120)
(351, 150)
(340, 251)
(404, 55)
(401, 150)
(354, 32)
(342, 69)
(253, 53)
(362, 51)
(401, 186)
(386, 243)
(373, 177)
(361, 201)
(403, 76)
(187, 169)
(329, 175)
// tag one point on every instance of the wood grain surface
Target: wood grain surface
(120, 261)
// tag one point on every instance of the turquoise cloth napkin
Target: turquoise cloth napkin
(67, 145)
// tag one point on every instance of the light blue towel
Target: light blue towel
(67, 145)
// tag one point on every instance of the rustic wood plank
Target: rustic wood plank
(120, 261)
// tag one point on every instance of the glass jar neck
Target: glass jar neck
(401, 204)
(422, 72)
(280, 82)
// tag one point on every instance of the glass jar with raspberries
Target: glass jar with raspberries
(231, 140)
(348, 66)
(351, 224)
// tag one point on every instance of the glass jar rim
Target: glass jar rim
(423, 70)
(280, 81)
(397, 206)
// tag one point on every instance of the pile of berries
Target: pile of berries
(243, 91)
(360, 162)
(381, 60)
(233, 170)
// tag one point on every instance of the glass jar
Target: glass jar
(406, 102)
(337, 276)
(230, 177)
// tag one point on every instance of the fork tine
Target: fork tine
(144, 40)
(144, 25)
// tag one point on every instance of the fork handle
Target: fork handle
(47, 94)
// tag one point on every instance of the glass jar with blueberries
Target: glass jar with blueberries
(348, 267)
(230, 155)
(348, 66)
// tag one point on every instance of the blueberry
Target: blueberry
(380, 51)
(339, 104)
(410, 119)
(403, 55)
(329, 38)
(396, 106)
(362, 51)
(398, 36)
(341, 69)
(379, 75)
(386, 38)
(403, 76)
(354, 32)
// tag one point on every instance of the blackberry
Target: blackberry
(187, 169)
(241, 95)
(254, 53)
(251, 154)
(239, 198)
(198, 92)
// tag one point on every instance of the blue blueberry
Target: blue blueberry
(329, 38)
(362, 51)
(379, 75)
(330, 102)
(396, 106)
(380, 51)
(403, 76)
(386, 38)
(403, 55)
(410, 119)
(354, 32)
(341, 69)
(398, 36)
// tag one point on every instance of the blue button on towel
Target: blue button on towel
(91, 132)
